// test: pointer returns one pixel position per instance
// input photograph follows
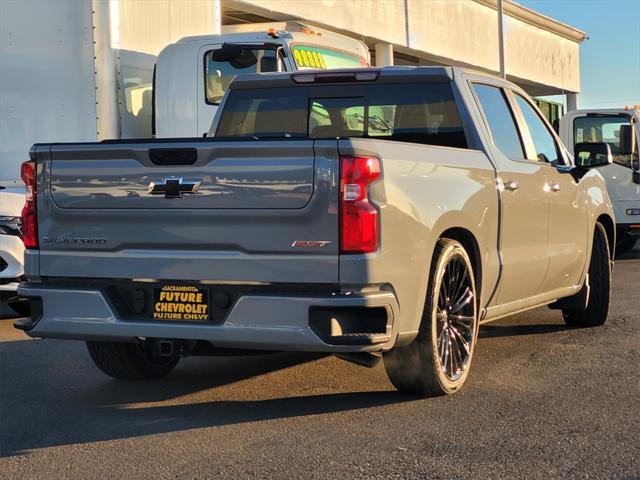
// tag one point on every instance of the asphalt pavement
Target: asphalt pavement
(542, 401)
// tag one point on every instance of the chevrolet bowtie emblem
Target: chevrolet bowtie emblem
(174, 187)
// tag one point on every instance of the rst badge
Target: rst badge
(173, 187)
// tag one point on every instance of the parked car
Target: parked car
(620, 128)
(11, 248)
(367, 213)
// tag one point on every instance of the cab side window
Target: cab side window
(501, 122)
(606, 128)
(218, 74)
(546, 149)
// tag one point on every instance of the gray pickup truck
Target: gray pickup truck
(372, 213)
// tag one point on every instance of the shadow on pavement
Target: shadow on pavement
(492, 331)
(7, 313)
(630, 255)
(52, 395)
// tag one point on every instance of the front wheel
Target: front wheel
(130, 361)
(599, 285)
(437, 362)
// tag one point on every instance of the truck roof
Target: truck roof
(603, 110)
(284, 32)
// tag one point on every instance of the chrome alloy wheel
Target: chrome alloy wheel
(455, 318)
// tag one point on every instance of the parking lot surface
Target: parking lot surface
(542, 401)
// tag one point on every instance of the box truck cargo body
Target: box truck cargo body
(76, 70)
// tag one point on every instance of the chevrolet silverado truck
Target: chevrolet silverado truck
(372, 213)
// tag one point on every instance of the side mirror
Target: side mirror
(591, 155)
(627, 140)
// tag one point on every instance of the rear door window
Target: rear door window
(500, 121)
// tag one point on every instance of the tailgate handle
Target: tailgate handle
(173, 156)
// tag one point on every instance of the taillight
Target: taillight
(29, 217)
(358, 217)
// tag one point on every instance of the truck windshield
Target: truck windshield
(416, 113)
(218, 74)
(604, 128)
(322, 58)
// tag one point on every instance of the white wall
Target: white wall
(144, 29)
(46, 77)
(540, 52)
(147, 26)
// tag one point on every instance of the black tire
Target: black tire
(625, 244)
(21, 307)
(129, 361)
(600, 285)
(421, 367)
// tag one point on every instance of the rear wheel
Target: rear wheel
(599, 285)
(437, 362)
(130, 361)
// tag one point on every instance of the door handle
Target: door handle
(510, 185)
(553, 187)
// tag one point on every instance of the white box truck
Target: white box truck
(81, 71)
(620, 128)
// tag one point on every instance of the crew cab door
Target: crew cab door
(525, 204)
(568, 217)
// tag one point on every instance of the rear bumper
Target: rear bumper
(258, 321)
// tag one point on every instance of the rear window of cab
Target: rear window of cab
(417, 113)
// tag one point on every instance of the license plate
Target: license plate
(180, 303)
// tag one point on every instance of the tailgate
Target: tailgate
(197, 210)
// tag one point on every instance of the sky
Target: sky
(610, 57)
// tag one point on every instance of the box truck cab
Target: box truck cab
(620, 128)
(185, 103)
